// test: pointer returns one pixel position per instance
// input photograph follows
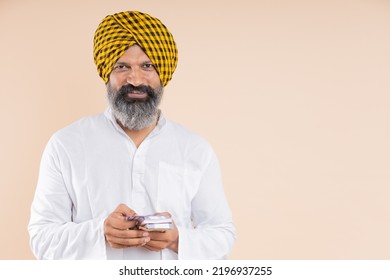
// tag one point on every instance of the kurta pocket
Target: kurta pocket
(174, 194)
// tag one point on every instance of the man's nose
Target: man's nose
(135, 77)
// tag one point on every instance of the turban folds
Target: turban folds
(120, 31)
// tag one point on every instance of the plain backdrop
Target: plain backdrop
(292, 95)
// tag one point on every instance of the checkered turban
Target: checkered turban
(120, 31)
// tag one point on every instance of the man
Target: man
(130, 160)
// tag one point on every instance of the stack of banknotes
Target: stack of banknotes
(152, 222)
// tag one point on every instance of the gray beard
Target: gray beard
(137, 115)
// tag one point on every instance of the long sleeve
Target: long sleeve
(53, 233)
(213, 234)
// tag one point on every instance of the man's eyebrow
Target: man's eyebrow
(121, 63)
(127, 64)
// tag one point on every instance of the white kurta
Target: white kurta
(91, 166)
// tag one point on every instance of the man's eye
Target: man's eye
(148, 66)
(120, 67)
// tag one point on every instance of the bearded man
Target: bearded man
(102, 172)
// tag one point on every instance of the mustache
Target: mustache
(124, 90)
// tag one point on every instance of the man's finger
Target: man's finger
(127, 233)
(116, 242)
(150, 248)
(160, 236)
(157, 244)
(124, 210)
(118, 221)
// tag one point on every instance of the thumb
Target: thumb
(124, 210)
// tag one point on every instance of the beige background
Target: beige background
(293, 95)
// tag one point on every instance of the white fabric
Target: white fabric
(91, 166)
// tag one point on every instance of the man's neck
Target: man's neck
(138, 136)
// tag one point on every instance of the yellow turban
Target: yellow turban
(120, 31)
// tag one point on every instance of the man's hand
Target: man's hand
(162, 240)
(119, 232)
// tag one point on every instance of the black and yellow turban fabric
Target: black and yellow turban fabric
(120, 31)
